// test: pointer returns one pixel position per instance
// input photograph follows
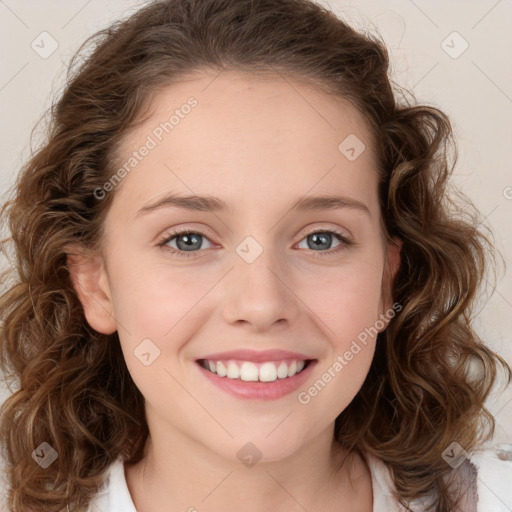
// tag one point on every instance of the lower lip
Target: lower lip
(259, 390)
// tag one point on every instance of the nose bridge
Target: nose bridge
(257, 289)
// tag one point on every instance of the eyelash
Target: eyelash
(345, 242)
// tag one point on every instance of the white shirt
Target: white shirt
(493, 486)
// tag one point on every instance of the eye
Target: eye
(321, 239)
(186, 240)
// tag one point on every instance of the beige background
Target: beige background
(474, 88)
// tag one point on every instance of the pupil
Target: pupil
(191, 241)
(321, 238)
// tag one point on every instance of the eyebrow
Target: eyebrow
(214, 204)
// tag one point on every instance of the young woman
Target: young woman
(239, 282)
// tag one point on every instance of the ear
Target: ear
(391, 266)
(90, 281)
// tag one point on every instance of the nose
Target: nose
(260, 294)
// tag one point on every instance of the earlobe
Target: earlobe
(90, 282)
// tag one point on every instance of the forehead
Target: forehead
(247, 138)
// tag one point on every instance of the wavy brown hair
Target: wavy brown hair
(74, 390)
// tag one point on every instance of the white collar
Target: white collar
(494, 481)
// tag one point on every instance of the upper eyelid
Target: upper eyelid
(166, 237)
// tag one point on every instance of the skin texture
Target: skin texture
(259, 143)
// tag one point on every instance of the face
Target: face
(265, 271)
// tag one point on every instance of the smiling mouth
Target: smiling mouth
(249, 371)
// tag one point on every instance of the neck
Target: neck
(180, 473)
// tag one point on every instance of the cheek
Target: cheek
(155, 310)
(348, 308)
(150, 301)
(345, 299)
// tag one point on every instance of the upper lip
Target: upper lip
(257, 356)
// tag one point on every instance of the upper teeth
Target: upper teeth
(249, 371)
